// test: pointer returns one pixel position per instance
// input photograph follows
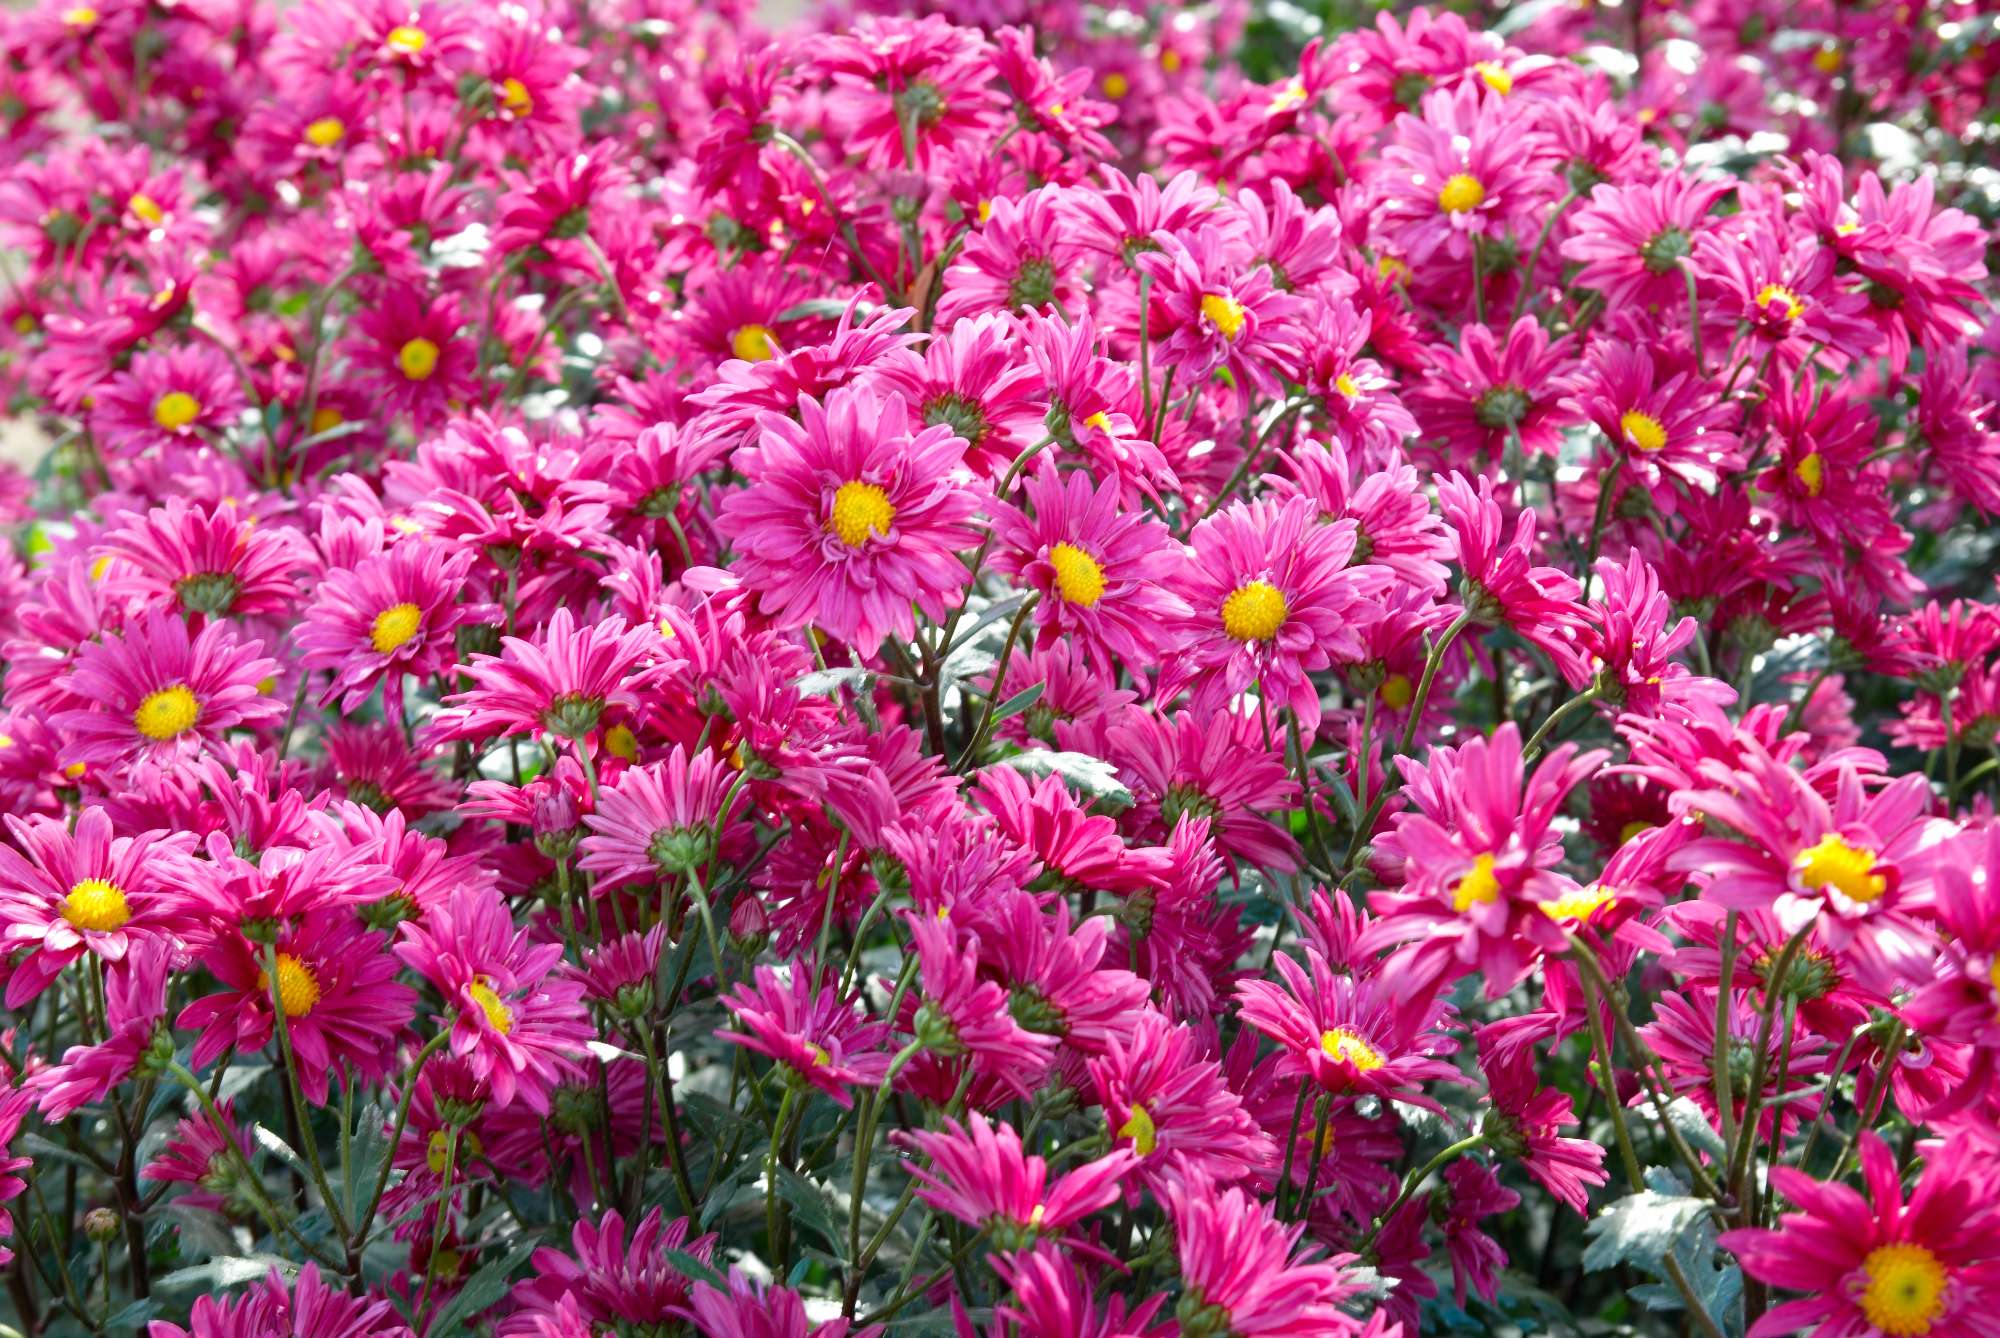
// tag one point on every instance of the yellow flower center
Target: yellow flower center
(1477, 888)
(621, 742)
(1170, 61)
(406, 40)
(1055, 109)
(325, 420)
(1461, 194)
(1643, 431)
(859, 510)
(1078, 577)
(1580, 905)
(1291, 95)
(1099, 420)
(326, 132)
(146, 207)
(1393, 268)
(168, 713)
(1827, 60)
(1905, 1289)
(1254, 612)
(438, 1146)
(514, 96)
(1139, 1128)
(418, 359)
(298, 987)
(1847, 869)
(1795, 306)
(395, 626)
(97, 904)
(1224, 312)
(985, 210)
(1341, 1044)
(1632, 829)
(498, 1015)
(1397, 691)
(1116, 85)
(1347, 386)
(1811, 473)
(752, 343)
(175, 410)
(1495, 76)
(83, 16)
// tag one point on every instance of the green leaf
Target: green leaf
(1018, 703)
(829, 682)
(225, 1271)
(369, 1146)
(1640, 1228)
(1091, 776)
(1695, 1128)
(482, 1289)
(823, 308)
(695, 1270)
(809, 1207)
(134, 1316)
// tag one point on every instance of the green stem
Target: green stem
(1581, 701)
(282, 1025)
(1535, 256)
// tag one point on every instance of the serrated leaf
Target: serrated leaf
(1639, 1229)
(482, 1289)
(829, 682)
(277, 1147)
(809, 1207)
(1092, 776)
(225, 1271)
(369, 1146)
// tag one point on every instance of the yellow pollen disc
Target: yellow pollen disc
(146, 207)
(168, 713)
(1461, 193)
(1397, 691)
(1099, 420)
(1170, 61)
(1224, 312)
(175, 410)
(1827, 60)
(1632, 829)
(820, 1058)
(395, 627)
(1035, 1217)
(1055, 109)
(1643, 431)
(1078, 577)
(514, 96)
(498, 1015)
(1905, 1290)
(418, 359)
(1291, 95)
(1580, 905)
(1116, 85)
(1795, 306)
(75, 770)
(985, 210)
(752, 343)
(1495, 76)
(406, 40)
(1846, 229)
(1254, 612)
(83, 16)
(1477, 888)
(1811, 473)
(859, 510)
(1993, 974)
(1347, 386)
(97, 904)
(621, 742)
(99, 567)
(1139, 1128)
(439, 1144)
(1341, 1044)
(326, 132)
(298, 987)
(1848, 870)
(325, 420)
(1392, 268)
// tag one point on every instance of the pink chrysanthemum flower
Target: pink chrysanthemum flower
(410, 349)
(1636, 241)
(563, 680)
(337, 985)
(1346, 1034)
(661, 820)
(910, 83)
(1961, 1003)
(1525, 1123)
(1076, 847)
(1786, 294)
(1054, 1298)
(1057, 981)
(135, 1034)
(754, 1309)
(214, 561)
(614, 1283)
(174, 396)
(1882, 1265)
(390, 617)
(310, 1306)
(851, 518)
(1243, 1271)
(1471, 1192)
(974, 381)
(964, 1016)
(1675, 428)
(1629, 640)
(197, 1154)
(1682, 1033)
(521, 1028)
(1218, 770)
(1210, 310)
(158, 694)
(1484, 395)
(1359, 401)
(1099, 568)
(1467, 168)
(1274, 599)
(979, 1173)
(85, 891)
(1380, 492)
(1020, 257)
(1502, 585)
(1165, 1097)
(807, 1025)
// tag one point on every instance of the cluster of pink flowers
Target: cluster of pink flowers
(969, 668)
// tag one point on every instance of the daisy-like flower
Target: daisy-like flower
(1218, 770)
(387, 618)
(1244, 1273)
(336, 984)
(1099, 568)
(754, 1309)
(411, 350)
(1346, 1034)
(1467, 168)
(1167, 1099)
(1054, 1298)
(310, 1306)
(1683, 1034)
(1678, 427)
(1525, 1122)
(1021, 257)
(521, 1028)
(979, 1173)
(612, 1282)
(1629, 638)
(1483, 394)
(1785, 292)
(921, 83)
(136, 1036)
(1274, 599)
(851, 517)
(1926, 1265)
(1056, 978)
(159, 694)
(1471, 1191)
(171, 396)
(85, 891)
(563, 680)
(1210, 310)
(660, 820)
(1635, 241)
(807, 1025)
(1502, 584)
(214, 561)
(1961, 1004)
(197, 1155)
(964, 1016)
(974, 381)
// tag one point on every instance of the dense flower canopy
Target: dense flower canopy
(999, 667)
